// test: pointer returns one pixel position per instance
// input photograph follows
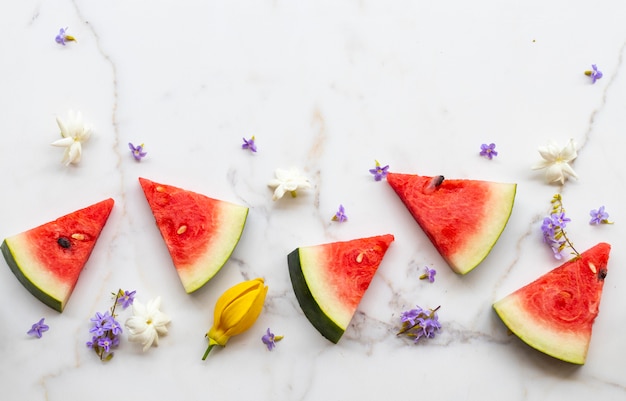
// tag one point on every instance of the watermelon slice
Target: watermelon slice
(555, 313)
(48, 259)
(200, 232)
(330, 279)
(462, 218)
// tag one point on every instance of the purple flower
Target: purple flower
(411, 316)
(547, 228)
(429, 274)
(126, 299)
(38, 328)
(269, 339)
(379, 172)
(137, 151)
(249, 144)
(599, 216)
(105, 343)
(594, 73)
(559, 219)
(63, 38)
(420, 323)
(340, 216)
(488, 150)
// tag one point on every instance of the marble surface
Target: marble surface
(326, 87)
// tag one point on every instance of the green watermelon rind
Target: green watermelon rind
(218, 252)
(18, 265)
(479, 247)
(312, 310)
(572, 348)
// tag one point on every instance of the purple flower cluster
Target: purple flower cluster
(553, 234)
(420, 323)
(105, 330)
(553, 229)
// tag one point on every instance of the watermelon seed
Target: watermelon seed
(593, 268)
(78, 237)
(434, 183)
(602, 274)
(181, 229)
(359, 257)
(160, 189)
(64, 242)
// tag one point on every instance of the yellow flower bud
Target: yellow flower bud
(236, 311)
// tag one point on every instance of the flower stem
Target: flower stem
(212, 343)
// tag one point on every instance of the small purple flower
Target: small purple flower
(269, 339)
(63, 38)
(547, 228)
(126, 299)
(249, 144)
(594, 73)
(340, 216)
(411, 316)
(560, 220)
(599, 216)
(488, 151)
(137, 151)
(379, 172)
(429, 274)
(38, 328)
(105, 343)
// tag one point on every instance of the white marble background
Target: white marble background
(325, 86)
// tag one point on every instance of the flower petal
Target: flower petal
(64, 142)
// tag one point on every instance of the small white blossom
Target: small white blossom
(147, 323)
(556, 161)
(288, 181)
(73, 133)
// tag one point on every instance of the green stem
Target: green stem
(212, 343)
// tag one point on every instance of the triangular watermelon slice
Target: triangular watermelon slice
(555, 313)
(200, 232)
(48, 259)
(330, 279)
(462, 218)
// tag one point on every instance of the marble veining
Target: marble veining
(328, 88)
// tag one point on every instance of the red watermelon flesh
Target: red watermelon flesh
(200, 232)
(329, 280)
(462, 218)
(48, 259)
(555, 313)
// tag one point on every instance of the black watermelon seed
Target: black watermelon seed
(64, 242)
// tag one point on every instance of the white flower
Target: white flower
(287, 181)
(147, 323)
(73, 133)
(556, 161)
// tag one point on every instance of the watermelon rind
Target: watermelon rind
(35, 279)
(47, 270)
(329, 280)
(555, 313)
(571, 347)
(312, 310)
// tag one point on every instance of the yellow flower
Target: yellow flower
(236, 311)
